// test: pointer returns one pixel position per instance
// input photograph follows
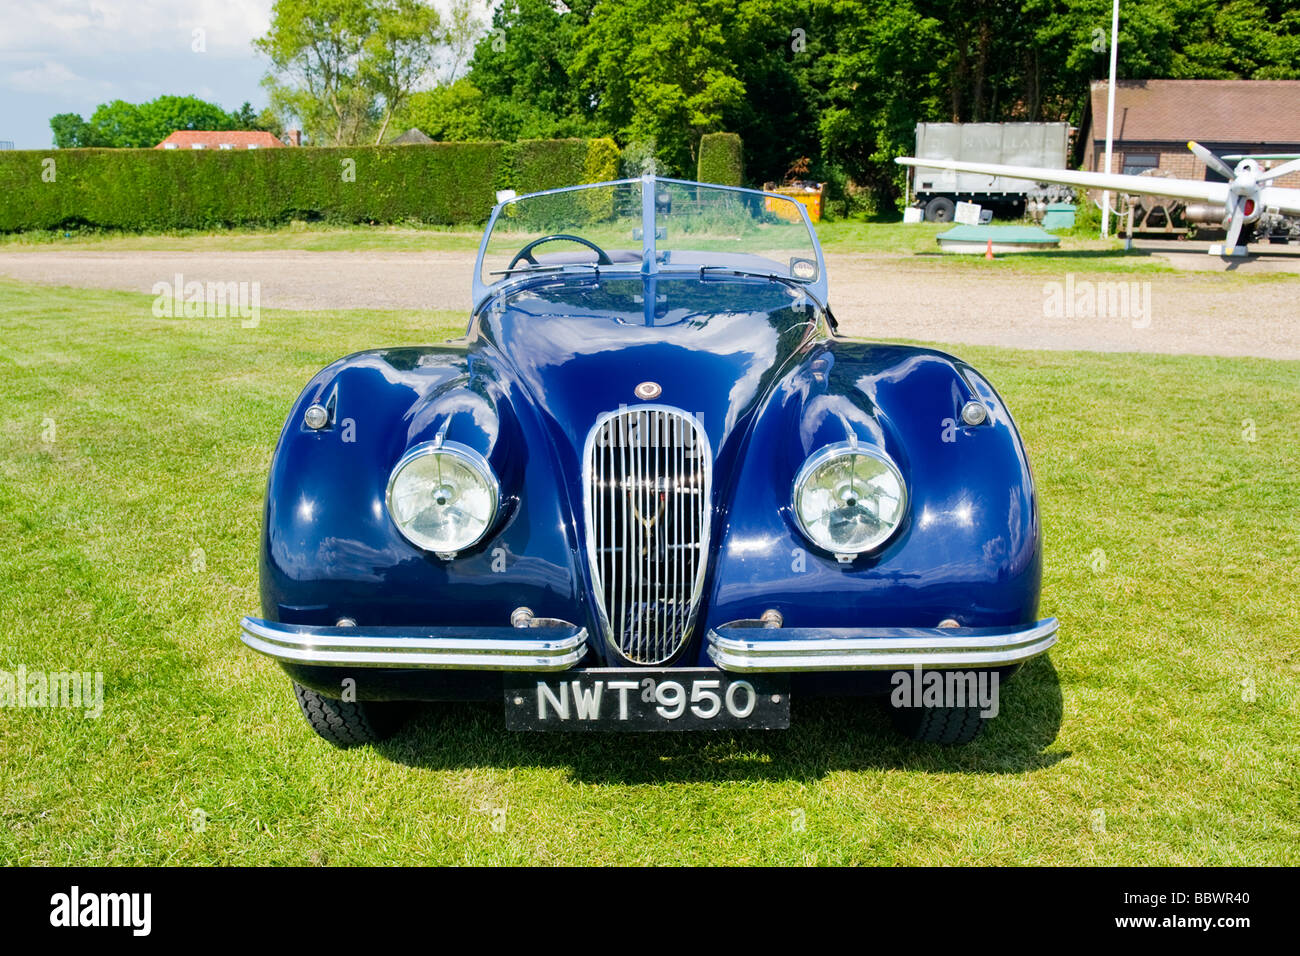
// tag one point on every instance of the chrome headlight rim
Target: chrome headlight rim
(467, 455)
(839, 450)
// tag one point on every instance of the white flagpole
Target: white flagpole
(1110, 116)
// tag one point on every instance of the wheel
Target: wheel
(939, 209)
(348, 724)
(939, 725)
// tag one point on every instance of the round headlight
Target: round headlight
(849, 499)
(443, 498)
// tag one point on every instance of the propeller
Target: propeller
(1238, 219)
(1209, 159)
(1244, 184)
(1276, 171)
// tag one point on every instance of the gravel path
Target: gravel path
(1194, 313)
(1197, 312)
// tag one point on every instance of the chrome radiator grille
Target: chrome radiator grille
(647, 476)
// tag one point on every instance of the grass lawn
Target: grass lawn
(133, 451)
(879, 238)
(311, 237)
(916, 243)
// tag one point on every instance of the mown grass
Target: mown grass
(128, 546)
(916, 244)
(310, 237)
(878, 238)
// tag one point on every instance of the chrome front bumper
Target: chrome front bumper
(550, 646)
(749, 647)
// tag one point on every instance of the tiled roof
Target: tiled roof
(215, 139)
(412, 137)
(1215, 111)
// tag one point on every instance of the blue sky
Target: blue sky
(68, 56)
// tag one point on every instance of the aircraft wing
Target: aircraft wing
(1143, 185)
(1282, 198)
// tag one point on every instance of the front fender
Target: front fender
(329, 549)
(969, 545)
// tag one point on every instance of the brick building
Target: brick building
(1154, 119)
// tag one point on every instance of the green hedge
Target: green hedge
(722, 159)
(149, 190)
(536, 164)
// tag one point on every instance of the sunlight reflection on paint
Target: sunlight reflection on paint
(746, 546)
(963, 515)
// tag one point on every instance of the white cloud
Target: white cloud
(49, 77)
(60, 56)
(87, 27)
(53, 78)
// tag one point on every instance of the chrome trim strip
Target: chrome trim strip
(885, 648)
(443, 648)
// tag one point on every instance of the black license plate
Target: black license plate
(621, 698)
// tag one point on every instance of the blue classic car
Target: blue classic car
(650, 489)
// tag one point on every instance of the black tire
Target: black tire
(347, 724)
(938, 725)
(940, 209)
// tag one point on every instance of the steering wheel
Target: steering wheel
(526, 253)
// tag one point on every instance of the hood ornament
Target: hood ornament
(648, 390)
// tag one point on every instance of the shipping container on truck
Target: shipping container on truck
(937, 191)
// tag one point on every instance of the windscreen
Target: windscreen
(693, 226)
(607, 217)
(747, 231)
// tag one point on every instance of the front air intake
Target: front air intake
(647, 481)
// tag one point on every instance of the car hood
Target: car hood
(714, 346)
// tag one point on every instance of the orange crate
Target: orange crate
(812, 200)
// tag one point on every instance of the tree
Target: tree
(898, 62)
(522, 66)
(141, 125)
(317, 46)
(269, 121)
(662, 70)
(346, 67)
(157, 119)
(244, 117)
(843, 82)
(452, 112)
(461, 32)
(71, 131)
(399, 52)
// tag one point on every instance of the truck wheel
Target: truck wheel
(347, 724)
(939, 725)
(939, 209)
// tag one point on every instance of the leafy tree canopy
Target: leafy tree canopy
(843, 82)
(121, 124)
(840, 83)
(345, 67)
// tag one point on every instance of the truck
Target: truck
(937, 191)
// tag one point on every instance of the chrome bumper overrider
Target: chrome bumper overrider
(749, 648)
(551, 646)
